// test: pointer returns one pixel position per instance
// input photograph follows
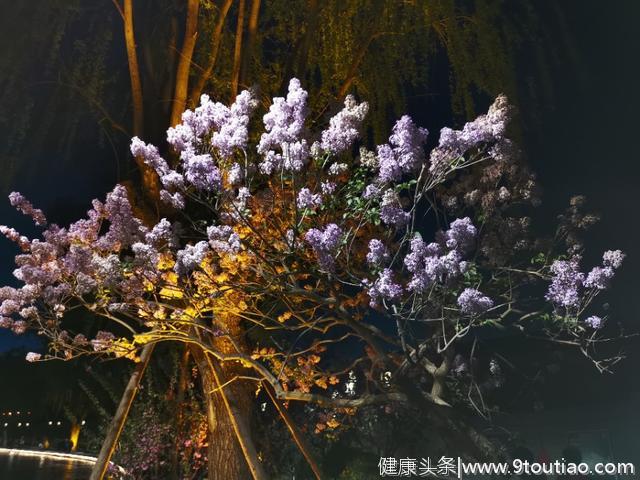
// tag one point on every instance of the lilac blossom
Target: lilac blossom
(33, 357)
(378, 252)
(325, 243)
(124, 228)
(485, 129)
(149, 153)
(19, 327)
(599, 278)
(20, 203)
(404, 153)
(594, 322)
(235, 174)
(145, 255)
(384, 288)
(284, 125)
(306, 199)
(176, 200)
(338, 168)
(565, 284)
(172, 180)
(372, 191)
(328, 188)
(344, 127)
(202, 172)
(473, 303)
(460, 235)
(613, 258)
(232, 129)
(223, 239)
(190, 257)
(162, 234)
(391, 212)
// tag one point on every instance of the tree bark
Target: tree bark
(224, 456)
(149, 179)
(216, 37)
(252, 31)
(237, 52)
(184, 63)
(134, 69)
(231, 454)
(117, 423)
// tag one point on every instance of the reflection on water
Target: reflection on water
(17, 467)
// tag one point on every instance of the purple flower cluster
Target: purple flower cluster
(306, 199)
(384, 288)
(566, 282)
(325, 243)
(378, 252)
(594, 322)
(284, 126)
(344, 127)
(232, 132)
(461, 235)
(599, 278)
(162, 234)
(442, 261)
(483, 130)
(404, 153)
(20, 203)
(124, 228)
(223, 239)
(391, 211)
(201, 172)
(473, 303)
(190, 257)
(613, 258)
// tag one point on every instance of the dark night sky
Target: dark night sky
(581, 143)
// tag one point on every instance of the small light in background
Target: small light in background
(19, 424)
(50, 422)
(58, 422)
(83, 422)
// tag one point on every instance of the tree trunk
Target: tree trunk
(237, 52)
(117, 423)
(134, 70)
(216, 36)
(184, 374)
(252, 31)
(225, 458)
(231, 454)
(184, 63)
(149, 179)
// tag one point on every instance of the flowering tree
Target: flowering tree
(291, 264)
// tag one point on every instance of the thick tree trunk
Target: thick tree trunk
(117, 423)
(224, 455)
